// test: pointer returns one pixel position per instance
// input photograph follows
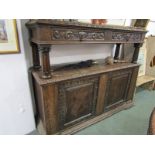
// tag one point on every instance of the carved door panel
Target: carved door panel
(117, 88)
(77, 100)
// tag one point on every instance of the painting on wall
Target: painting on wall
(8, 36)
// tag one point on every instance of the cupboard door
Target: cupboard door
(77, 100)
(117, 88)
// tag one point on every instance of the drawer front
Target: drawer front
(77, 100)
(61, 35)
(126, 37)
(76, 35)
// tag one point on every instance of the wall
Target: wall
(16, 114)
(150, 59)
(75, 53)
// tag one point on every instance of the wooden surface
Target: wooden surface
(101, 94)
(68, 102)
(76, 100)
(63, 75)
(117, 88)
(96, 119)
(50, 104)
(79, 101)
(132, 83)
(58, 32)
(75, 128)
(47, 32)
(47, 22)
(68, 97)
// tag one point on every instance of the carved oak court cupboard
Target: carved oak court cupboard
(71, 99)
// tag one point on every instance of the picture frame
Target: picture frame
(9, 42)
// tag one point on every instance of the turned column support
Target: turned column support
(35, 56)
(136, 52)
(116, 56)
(45, 60)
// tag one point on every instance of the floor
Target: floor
(133, 121)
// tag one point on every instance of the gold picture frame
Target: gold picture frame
(9, 42)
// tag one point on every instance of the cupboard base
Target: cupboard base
(86, 123)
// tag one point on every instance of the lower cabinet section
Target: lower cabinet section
(64, 104)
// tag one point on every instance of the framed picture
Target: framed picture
(8, 36)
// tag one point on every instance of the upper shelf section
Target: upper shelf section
(47, 31)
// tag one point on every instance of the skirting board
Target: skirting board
(86, 123)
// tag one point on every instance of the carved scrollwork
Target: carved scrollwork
(77, 35)
(117, 36)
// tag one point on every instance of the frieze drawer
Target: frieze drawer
(76, 35)
(126, 37)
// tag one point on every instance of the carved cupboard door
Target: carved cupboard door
(77, 100)
(117, 88)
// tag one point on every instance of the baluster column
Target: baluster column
(45, 60)
(136, 52)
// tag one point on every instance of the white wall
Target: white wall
(75, 53)
(16, 114)
(151, 28)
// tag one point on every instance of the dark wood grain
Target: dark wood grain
(101, 94)
(133, 83)
(77, 100)
(63, 75)
(117, 90)
(57, 32)
(45, 61)
(72, 99)
(35, 56)
(136, 52)
(69, 102)
(50, 104)
(85, 123)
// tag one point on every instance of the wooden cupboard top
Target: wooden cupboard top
(47, 31)
(53, 22)
(62, 75)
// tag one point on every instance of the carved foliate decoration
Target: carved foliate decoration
(117, 36)
(77, 35)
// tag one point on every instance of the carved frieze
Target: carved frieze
(77, 35)
(119, 36)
